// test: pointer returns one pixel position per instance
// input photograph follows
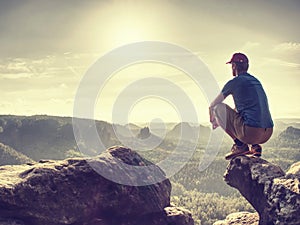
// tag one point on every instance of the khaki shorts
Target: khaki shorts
(233, 124)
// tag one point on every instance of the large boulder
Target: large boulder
(239, 218)
(71, 192)
(274, 194)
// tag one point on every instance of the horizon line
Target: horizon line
(130, 122)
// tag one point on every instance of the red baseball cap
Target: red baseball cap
(238, 58)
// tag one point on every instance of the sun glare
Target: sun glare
(127, 31)
(121, 23)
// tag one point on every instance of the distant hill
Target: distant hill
(128, 130)
(290, 137)
(49, 137)
(281, 124)
(9, 156)
(289, 120)
(52, 137)
(188, 132)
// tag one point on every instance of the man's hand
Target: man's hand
(212, 118)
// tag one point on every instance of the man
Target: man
(250, 124)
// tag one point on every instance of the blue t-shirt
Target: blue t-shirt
(250, 100)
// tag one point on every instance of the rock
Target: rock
(274, 194)
(10, 222)
(71, 192)
(170, 216)
(294, 170)
(178, 215)
(245, 218)
(144, 133)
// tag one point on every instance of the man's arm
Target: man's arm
(219, 99)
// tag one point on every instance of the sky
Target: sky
(48, 47)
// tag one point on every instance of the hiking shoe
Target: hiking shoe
(237, 151)
(256, 150)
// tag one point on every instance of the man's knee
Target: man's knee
(219, 110)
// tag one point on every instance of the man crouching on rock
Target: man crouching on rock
(251, 123)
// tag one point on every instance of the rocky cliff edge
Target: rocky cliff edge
(273, 193)
(71, 192)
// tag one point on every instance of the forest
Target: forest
(204, 193)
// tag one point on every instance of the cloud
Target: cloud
(283, 64)
(47, 66)
(13, 66)
(290, 51)
(44, 73)
(251, 46)
(287, 54)
(18, 67)
(287, 46)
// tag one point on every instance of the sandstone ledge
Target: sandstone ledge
(71, 192)
(274, 194)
